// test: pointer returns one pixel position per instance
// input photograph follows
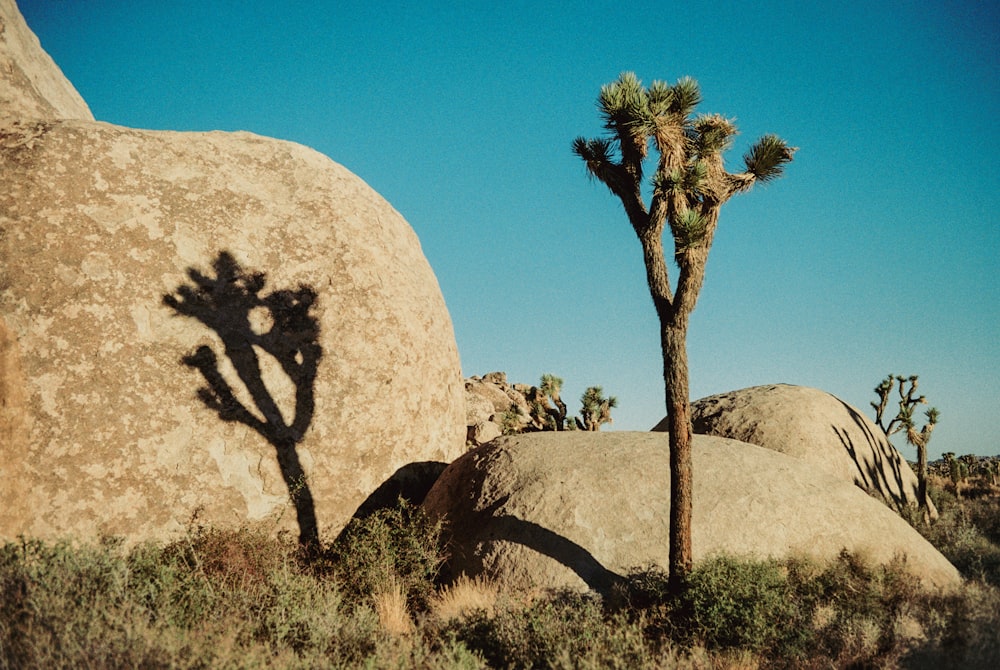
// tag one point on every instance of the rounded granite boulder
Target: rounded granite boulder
(580, 509)
(816, 427)
(212, 326)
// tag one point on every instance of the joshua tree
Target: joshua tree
(550, 388)
(904, 421)
(958, 470)
(993, 471)
(595, 409)
(689, 186)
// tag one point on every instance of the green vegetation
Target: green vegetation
(595, 409)
(376, 597)
(690, 185)
(967, 530)
(549, 412)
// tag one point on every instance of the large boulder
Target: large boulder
(217, 326)
(814, 426)
(579, 509)
(31, 84)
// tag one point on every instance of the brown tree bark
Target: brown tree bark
(922, 481)
(675, 374)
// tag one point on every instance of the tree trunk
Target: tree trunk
(675, 375)
(922, 480)
(560, 413)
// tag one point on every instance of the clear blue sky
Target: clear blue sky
(876, 253)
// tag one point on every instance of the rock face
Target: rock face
(580, 509)
(813, 426)
(31, 85)
(217, 325)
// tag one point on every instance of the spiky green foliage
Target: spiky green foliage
(624, 104)
(552, 418)
(633, 117)
(712, 134)
(689, 231)
(598, 156)
(596, 409)
(687, 96)
(932, 415)
(767, 158)
(903, 421)
(551, 385)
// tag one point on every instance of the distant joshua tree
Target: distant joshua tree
(904, 421)
(550, 388)
(958, 470)
(689, 186)
(595, 410)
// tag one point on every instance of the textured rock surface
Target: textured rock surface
(574, 509)
(487, 400)
(31, 85)
(814, 426)
(190, 322)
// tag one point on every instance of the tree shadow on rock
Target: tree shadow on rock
(278, 324)
(411, 483)
(557, 547)
(479, 529)
(884, 472)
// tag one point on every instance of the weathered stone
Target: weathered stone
(492, 392)
(31, 85)
(190, 323)
(489, 401)
(814, 426)
(580, 509)
(477, 408)
(485, 431)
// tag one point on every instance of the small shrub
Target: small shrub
(399, 544)
(748, 604)
(565, 630)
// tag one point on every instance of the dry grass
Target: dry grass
(464, 597)
(390, 605)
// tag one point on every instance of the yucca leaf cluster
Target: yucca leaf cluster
(689, 182)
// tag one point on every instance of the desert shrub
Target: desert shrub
(245, 599)
(960, 629)
(212, 599)
(398, 545)
(730, 603)
(564, 630)
(984, 514)
(793, 612)
(967, 533)
(861, 609)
